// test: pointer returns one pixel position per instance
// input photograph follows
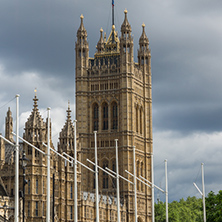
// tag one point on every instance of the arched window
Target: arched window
(95, 116)
(29, 208)
(138, 172)
(36, 209)
(29, 186)
(114, 169)
(71, 191)
(114, 115)
(105, 116)
(36, 186)
(141, 121)
(141, 173)
(137, 122)
(105, 175)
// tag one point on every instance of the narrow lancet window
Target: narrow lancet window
(105, 116)
(114, 116)
(95, 117)
(105, 175)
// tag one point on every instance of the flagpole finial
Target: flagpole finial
(35, 90)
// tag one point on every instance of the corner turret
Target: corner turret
(100, 44)
(82, 50)
(9, 126)
(66, 136)
(126, 27)
(126, 46)
(144, 55)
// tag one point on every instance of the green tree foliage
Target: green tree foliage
(214, 206)
(189, 210)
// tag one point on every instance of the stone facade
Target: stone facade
(113, 97)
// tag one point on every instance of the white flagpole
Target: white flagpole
(117, 183)
(97, 183)
(48, 170)
(153, 210)
(17, 162)
(203, 187)
(134, 172)
(166, 191)
(75, 177)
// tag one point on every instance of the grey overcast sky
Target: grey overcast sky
(37, 41)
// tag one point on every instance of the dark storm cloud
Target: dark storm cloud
(37, 36)
(189, 119)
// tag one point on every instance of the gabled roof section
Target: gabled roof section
(111, 46)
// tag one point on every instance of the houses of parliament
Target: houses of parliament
(113, 97)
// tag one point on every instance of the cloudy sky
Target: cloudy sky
(37, 51)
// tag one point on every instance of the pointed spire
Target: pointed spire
(66, 136)
(68, 111)
(35, 100)
(143, 38)
(100, 44)
(81, 24)
(81, 31)
(126, 27)
(9, 126)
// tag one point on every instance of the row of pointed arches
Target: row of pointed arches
(103, 113)
(107, 181)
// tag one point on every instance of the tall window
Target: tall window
(71, 192)
(114, 116)
(141, 121)
(36, 153)
(141, 173)
(70, 212)
(105, 116)
(29, 186)
(95, 117)
(43, 208)
(36, 209)
(28, 208)
(137, 122)
(29, 150)
(105, 175)
(36, 186)
(138, 172)
(114, 169)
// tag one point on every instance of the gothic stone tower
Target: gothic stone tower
(113, 97)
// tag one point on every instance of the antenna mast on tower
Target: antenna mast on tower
(112, 12)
